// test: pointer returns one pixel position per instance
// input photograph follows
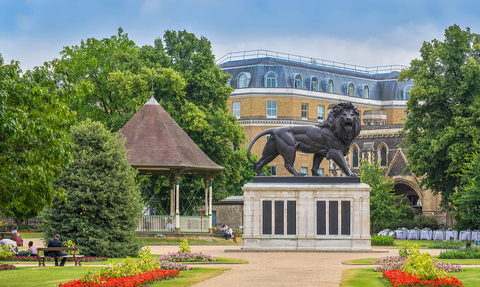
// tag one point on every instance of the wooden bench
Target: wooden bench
(13, 236)
(41, 259)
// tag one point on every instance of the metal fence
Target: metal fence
(164, 223)
(258, 54)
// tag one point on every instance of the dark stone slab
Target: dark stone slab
(345, 229)
(279, 217)
(333, 217)
(291, 217)
(267, 217)
(306, 179)
(321, 217)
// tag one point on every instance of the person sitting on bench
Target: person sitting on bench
(55, 242)
(228, 232)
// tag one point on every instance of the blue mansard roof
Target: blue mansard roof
(382, 86)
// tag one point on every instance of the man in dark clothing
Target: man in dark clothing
(57, 243)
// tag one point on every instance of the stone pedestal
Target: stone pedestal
(306, 213)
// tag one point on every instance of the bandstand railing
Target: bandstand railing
(166, 223)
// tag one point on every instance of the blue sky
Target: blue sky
(367, 33)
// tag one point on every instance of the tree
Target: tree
(465, 204)
(443, 112)
(246, 171)
(34, 143)
(102, 208)
(384, 204)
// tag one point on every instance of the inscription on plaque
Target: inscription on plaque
(279, 217)
(291, 217)
(345, 218)
(321, 218)
(267, 217)
(333, 217)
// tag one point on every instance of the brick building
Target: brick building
(273, 89)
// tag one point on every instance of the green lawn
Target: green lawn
(30, 235)
(52, 276)
(191, 240)
(358, 277)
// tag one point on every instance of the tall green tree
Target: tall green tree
(385, 206)
(465, 205)
(443, 122)
(102, 208)
(34, 143)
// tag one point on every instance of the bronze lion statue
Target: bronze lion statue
(330, 139)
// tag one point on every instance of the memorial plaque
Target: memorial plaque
(321, 218)
(291, 217)
(345, 218)
(267, 217)
(279, 217)
(333, 217)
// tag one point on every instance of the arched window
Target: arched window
(365, 92)
(329, 86)
(243, 80)
(350, 90)
(314, 84)
(355, 157)
(383, 156)
(270, 80)
(406, 92)
(298, 82)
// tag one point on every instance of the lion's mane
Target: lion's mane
(335, 122)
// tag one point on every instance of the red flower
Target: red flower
(402, 279)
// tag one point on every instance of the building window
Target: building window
(271, 109)
(273, 170)
(383, 156)
(350, 90)
(236, 109)
(304, 170)
(304, 111)
(320, 113)
(355, 157)
(365, 92)
(298, 82)
(314, 84)
(270, 80)
(329, 86)
(242, 81)
(320, 171)
(268, 136)
(406, 92)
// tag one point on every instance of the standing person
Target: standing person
(55, 242)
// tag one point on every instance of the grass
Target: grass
(365, 261)
(359, 277)
(191, 240)
(30, 235)
(420, 243)
(192, 277)
(361, 261)
(52, 276)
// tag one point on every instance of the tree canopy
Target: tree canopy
(102, 208)
(181, 70)
(34, 143)
(443, 111)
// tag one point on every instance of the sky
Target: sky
(366, 33)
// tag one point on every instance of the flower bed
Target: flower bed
(396, 263)
(34, 258)
(4, 267)
(139, 279)
(186, 257)
(399, 278)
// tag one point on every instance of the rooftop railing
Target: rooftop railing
(259, 54)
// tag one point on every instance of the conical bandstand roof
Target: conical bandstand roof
(158, 145)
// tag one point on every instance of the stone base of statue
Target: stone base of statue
(306, 214)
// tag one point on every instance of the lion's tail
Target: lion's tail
(265, 132)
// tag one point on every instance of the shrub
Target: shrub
(422, 266)
(382, 240)
(446, 245)
(184, 246)
(186, 257)
(464, 253)
(4, 267)
(5, 252)
(389, 263)
(420, 222)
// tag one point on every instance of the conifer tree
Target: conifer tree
(103, 200)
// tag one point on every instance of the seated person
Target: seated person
(228, 232)
(10, 243)
(32, 249)
(224, 225)
(14, 231)
(55, 242)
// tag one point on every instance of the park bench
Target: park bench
(41, 259)
(13, 236)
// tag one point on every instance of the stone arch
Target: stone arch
(412, 194)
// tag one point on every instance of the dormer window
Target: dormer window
(350, 90)
(270, 80)
(406, 92)
(243, 80)
(330, 86)
(314, 84)
(365, 92)
(298, 82)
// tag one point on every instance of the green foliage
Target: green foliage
(102, 207)
(420, 222)
(446, 245)
(466, 201)
(406, 250)
(5, 252)
(71, 244)
(384, 204)
(246, 169)
(382, 240)
(464, 253)
(184, 246)
(443, 109)
(34, 143)
(422, 265)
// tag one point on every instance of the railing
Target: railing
(258, 54)
(165, 223)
